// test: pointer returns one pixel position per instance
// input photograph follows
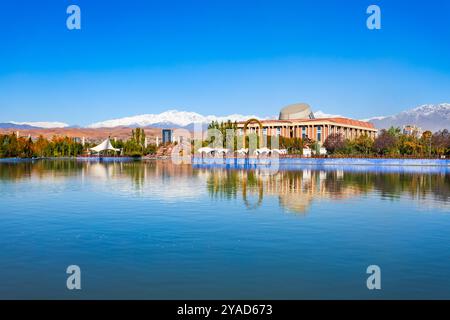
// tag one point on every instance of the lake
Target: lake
(154, 230)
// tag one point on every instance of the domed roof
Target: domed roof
(296, 111)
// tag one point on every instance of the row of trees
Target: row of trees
(391, 143)
(12, 146)
(223, 126)
(135, 146)
(293, 145)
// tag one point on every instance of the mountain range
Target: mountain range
(428, 117)
(32, 125)
(171, 118)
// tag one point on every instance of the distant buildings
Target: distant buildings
(298, 121)
(412, 130)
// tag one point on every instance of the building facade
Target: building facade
(167, 136)
(297, 121)
(412, 130)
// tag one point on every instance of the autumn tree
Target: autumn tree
(426, 141)
(363, 144)
(386, 142)
(334, 142)
(41, 146)
(440, 142)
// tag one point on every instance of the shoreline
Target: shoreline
(261, 162)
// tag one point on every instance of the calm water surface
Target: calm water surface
(154, 231)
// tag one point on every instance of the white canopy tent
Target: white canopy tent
(205, 150)
(280, 151)
(242, 151)
(215, 151)
(263, 151)
(221, 151)
(104, 146)
(307, 152)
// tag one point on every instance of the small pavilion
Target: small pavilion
(104, 146)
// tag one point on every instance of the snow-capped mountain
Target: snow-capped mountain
(171, 118)
(320, 114)
(44, 125)
(9, 125)
(33, 125)
(428, 117)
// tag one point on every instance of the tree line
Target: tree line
(135, 145)
(388, 143)
(12, 146)
(391, 143)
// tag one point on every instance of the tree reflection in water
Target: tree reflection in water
(296, 190)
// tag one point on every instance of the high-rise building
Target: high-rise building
(167, 135)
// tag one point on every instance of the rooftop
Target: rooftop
(301, 112)
(345, 121)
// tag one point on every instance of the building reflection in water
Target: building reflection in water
(296, 190)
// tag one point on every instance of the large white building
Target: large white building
(298, 121)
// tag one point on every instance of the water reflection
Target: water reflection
(296, 190)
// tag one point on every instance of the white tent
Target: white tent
(221, 151)
(242, 151)
(205, 150)
(280, 151)
(104, 146)
(263, 151)
(307, 152)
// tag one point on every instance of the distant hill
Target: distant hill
(9, 125)
(168, 119)
(32, 125)
(99, 134)
(428, 117)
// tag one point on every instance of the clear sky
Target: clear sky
(220, 57)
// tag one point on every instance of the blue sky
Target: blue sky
(220, 57)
